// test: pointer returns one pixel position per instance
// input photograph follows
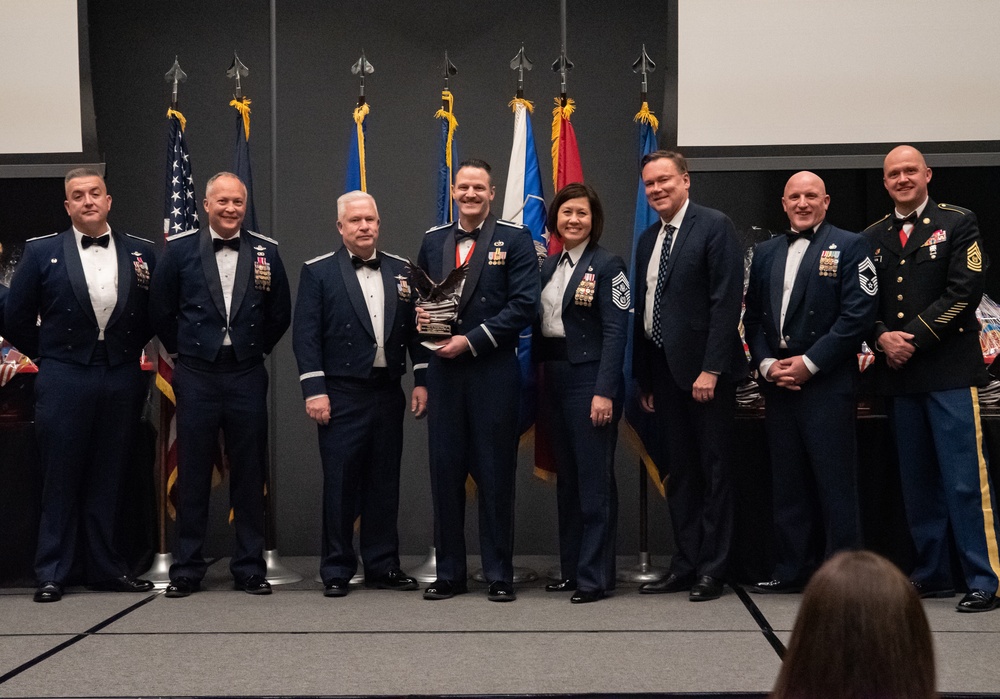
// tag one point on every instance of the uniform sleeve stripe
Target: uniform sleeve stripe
(489, 334)
(928, 327)
(312, 375)
(418, 367)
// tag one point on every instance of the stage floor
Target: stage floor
(297, 643)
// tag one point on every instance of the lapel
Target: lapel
(577, 276)
(354, 292)
(642, 255)
(777, 285)
(478, 258)
(77, 279)
(244, 264)
(921, 231)
(549, 267)
(210, 268)
(448, 252)
(681, 236)
(391, 297)
(807, 269)
(125, 275)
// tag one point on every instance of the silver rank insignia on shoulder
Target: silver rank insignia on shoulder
(829, 262)
(621, 295)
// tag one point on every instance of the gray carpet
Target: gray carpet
(296, 642)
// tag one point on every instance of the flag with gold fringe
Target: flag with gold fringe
(357, 176)
(447, 158)
(638, 428)
(241, 157)
(566, 165)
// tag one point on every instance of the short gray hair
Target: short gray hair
(219, 175)
(356, 195)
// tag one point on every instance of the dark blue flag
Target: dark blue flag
(241, 158)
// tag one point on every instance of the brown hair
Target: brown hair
(679, 161)
(860, 632)
(577, 190)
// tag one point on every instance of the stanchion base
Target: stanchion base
(159, 572)
(521, 575)
(643, 572)
(277, 573)
(426, 572)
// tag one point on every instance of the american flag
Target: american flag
(180, 213)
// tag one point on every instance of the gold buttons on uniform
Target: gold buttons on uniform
(902, 262)
(899, 315)
(899, 298)
(899, 279)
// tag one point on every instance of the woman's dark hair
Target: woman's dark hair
(860, 632)
(577, 190)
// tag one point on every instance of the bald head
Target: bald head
(805, 201)
(905, 175)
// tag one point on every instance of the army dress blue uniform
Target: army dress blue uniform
(586, 361)
(473, 399)
(931, 288)
(812, 431)
(88, 394)
(220, 386)
(361, 447)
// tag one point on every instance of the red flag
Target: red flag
(566, 165)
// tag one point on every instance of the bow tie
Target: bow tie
(900, 222)
(461, 235)
(799, 235)
(231, 243)
(567, 259)
(358, 263)
(100, 241)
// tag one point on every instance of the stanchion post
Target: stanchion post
(644, 571)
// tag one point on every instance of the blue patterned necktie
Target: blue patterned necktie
(661, 271)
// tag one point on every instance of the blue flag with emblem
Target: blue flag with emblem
(241, 157)
(447, 158)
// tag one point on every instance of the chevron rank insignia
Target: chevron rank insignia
(620, 293)
(868, 277)
(974, 258)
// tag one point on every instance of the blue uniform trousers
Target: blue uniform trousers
(85, 422)
(586, 490)
(945, 478)
(473, 407)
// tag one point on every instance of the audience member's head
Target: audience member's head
(861, 632)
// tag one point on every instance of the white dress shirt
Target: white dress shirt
(374, 293)
(796, 251)
(654, 265)
(226, 259)
(100, 269)
(552, 294)
(908, 226)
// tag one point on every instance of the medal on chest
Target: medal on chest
(497, 256)
(829, 262)
(261, 270)
(141, 271)
(584, 295)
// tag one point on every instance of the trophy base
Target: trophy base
(435, 330)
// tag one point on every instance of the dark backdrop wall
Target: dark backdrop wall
(133, 45)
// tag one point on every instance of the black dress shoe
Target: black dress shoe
(587, 596)
(337, 587)
(393, 580)
(49, 591)
(125, 583)
(671, 583)
(777, 587)
(927, 591)
(253, 585)
(976, 601)
(561, 586)
(705, 589)
(445, 589)
(501, 591)
(182, 587)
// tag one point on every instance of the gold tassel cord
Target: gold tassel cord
(359, 119)
(448, 115)
(180, 117)
(558, 114)
(644, 116)
(513, 104)
(243, 107)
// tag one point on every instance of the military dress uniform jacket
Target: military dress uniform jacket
(701, 300)
(187, 304)
(931, 288)
(831, 308)
(49, 282)
(501, 291)
(333, 336)
(595, 308)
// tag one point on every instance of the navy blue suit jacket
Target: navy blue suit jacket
(49, 283)
(333, 335)
(500, 296)
(596, 332)
(188, 309)
(701, 300)
(828, 317)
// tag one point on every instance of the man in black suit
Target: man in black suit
(688, 357)
(809, 306)
(929, 362)
(354, 322)
(474, 382)
(89, 285)
(220, 302)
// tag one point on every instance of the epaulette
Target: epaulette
(395, 257)
(878, 222)
(437, 228)
(145, 240)
(958, 209)
(41, 237)
(513, 224)
(318, 258)
(178, 236)
(263, 237)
